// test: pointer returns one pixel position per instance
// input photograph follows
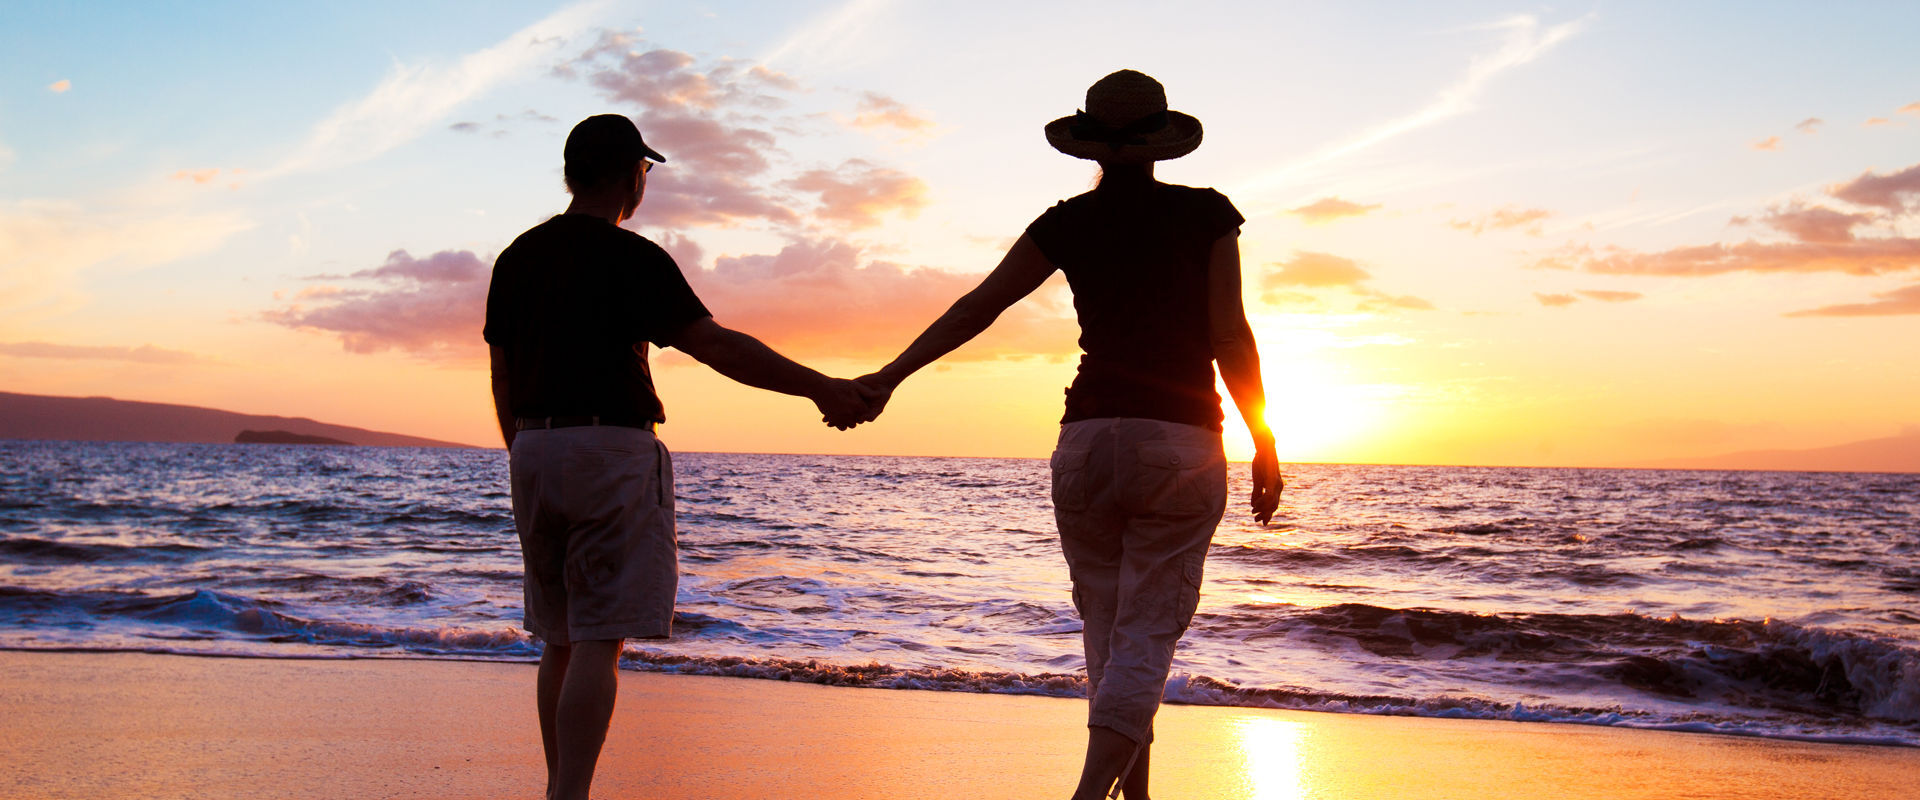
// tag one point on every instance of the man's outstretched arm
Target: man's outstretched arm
(746, 360)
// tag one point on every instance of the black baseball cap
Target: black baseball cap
(607, 139)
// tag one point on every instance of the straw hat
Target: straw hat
(1127, 121)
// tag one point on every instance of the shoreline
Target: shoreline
(93, 724)
(826, 674)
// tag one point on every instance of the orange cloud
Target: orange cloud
(1606, 296)
(1910, 108)
(1809, 125)
(1898, 192)
(1311, 270)
(1817, 224)
(1555, 300)
(1505, 218)
(1898, 301)
(1768, 144)
(1328, 209)
(879, 111)
(144, 354)
(1315, 270)
(1874, 122)
(60, 86)
(858, 192)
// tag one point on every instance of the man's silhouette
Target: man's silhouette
(574, 303)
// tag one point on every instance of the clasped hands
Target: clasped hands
(845, 403)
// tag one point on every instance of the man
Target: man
(574, 303)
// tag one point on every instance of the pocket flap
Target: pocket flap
(1172, 456)
(1069, 459)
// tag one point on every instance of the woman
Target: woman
(1139, 480)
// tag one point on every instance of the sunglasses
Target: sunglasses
(646, 166)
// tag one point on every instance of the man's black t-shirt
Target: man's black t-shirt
(574, 302)
(1137, 262)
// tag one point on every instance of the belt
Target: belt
(543, 423)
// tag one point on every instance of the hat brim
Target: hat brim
(1180, 137)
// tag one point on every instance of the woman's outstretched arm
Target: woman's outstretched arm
(1022, 270)
(1239, 360)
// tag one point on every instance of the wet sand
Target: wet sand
(109, 725)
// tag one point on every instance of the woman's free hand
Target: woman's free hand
(1267, 484)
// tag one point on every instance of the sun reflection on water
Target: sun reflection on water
(1272, 749)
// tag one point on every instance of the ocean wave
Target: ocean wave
(43, 551)
(1767, 665)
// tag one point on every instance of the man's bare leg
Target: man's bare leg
(583, 713)
(1107, 754)
(553, 672)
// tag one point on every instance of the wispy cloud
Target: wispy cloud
(46, 246)
(60, 86)
(1555, 300)
(1609, 296)
(1810, 238)
(144, 354)
(830, 39)
(1809, 125)
(1526, 41)
(1767, 145)
(415, 98)
(858, 192)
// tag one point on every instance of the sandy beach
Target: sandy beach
(114, 725)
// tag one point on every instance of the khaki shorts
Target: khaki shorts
(594, 509)
(1137, 501)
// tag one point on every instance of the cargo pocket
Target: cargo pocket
(1070, 479)
(1193, 569)
(1170, 478)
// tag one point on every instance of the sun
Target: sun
(1315, 415)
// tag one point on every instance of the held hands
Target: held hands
(844, 403)
(1267, 483)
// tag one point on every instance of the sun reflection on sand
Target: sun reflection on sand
(1271, 749)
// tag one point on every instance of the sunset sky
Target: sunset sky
(1477, 233)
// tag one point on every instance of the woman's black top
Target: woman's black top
(1137, 262)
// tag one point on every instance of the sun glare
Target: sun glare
(1314, 414)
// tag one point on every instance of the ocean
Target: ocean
(1756, 603)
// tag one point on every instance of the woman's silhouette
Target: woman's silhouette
(1139, 480)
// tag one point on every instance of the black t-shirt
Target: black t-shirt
(574, 302)
(1137, 262)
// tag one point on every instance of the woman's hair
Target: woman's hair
(1119, 179)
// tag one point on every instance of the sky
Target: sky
(1592, 234)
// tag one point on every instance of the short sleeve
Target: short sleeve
(1049, 233)
(1221, 217)
(671, 304)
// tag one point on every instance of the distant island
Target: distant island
(283, 437)
(1892, 454)
(104, 419)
